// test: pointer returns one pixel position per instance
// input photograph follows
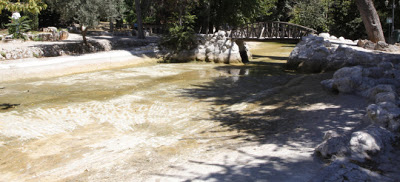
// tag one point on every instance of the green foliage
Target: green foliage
(18, 27)
(87, 12)
(37, 39)
(238, 12)
(32, 6)
(179, 38)
(35, 20)
(344, 21)
(281, 11)
(338, 17)
(311, 13)
(181, 35)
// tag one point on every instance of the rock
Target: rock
(333, 144)
(374, 72)
(385, 97)
(50, 29)
(333, 37)
(369, 45)
(328, 85)
(210, 57)
(371, 93)
(393, 48)
(63, 35)
(386, 65)
(45, 36)
(324, 35)
(210, 48)
(343, 170)
(347, 80)
(201, 54)
(381, 46)
(361, 43)
(316, 54)
(220, 35)
(342, 39)
(53, 29)
(369, 141)
(386, 114)
(9, 37)
(221, 43)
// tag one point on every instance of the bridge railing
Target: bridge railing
(271, 30)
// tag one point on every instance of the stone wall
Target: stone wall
(73, 48)
(216, 48)
(324, 53)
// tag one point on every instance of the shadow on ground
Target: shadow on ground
(271, 101)
(269, 106)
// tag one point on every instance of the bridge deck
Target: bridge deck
(271, 31)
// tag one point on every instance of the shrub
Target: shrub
(37, 38)
(179, 38)
(180, 35)
(18, 27)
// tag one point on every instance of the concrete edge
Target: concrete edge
(32, 68)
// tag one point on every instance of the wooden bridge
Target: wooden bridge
(271, 31)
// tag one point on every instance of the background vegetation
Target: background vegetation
(339, 17)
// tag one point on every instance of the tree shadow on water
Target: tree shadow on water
(289, 111)
(281, 102)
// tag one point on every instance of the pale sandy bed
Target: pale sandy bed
(170, 122)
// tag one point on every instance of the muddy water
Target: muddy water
(127, 124)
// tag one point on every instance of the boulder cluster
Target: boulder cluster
(48, 34)
(326, 53)
(216, 48)
(74, 48)
(379, 84)
(375, 75)
(19, 53)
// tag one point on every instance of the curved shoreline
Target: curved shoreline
(32, 68)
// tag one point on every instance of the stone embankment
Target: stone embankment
(369, 154)
(328, 53)
(216, 48)
(8, 51)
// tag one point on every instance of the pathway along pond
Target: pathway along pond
(172, 122)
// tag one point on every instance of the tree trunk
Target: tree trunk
(139, 20)
(111, 25)
(83, 32)
(208, 18)
(371, 20)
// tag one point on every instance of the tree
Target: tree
(86, 12)
(139, 20)
(344, 21)
(371, 20)
(112, 11)
(238, 12)
(311, 13)
(282, 11)
(32, 6)
(180, 35)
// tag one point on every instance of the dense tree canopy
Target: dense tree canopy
(339, 17)
(33, 6)
(87, 12)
